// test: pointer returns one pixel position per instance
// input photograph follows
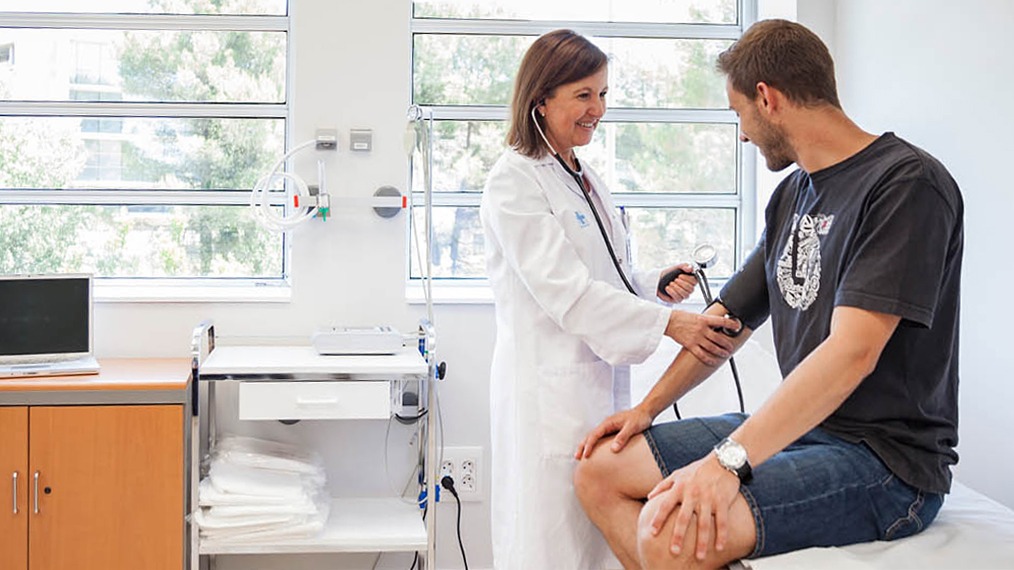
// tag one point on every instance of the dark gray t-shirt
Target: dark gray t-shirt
(882, 231)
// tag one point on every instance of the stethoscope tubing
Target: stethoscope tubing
(598, 220)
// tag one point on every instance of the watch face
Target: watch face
(732, 454)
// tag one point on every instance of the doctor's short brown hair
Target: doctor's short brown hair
(554, 59)
(786, 56)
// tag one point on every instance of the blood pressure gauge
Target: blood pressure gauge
(705, 255)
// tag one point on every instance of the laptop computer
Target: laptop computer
(46, 325)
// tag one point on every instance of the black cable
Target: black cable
(416, 559)
(739, 389)
(595, 213)
(448, 483)
(409, 420)
(702, 280)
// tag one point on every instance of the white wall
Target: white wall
(938, 73)
(350, 270)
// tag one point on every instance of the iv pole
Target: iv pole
(417, 114)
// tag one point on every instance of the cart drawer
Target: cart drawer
(314, 400)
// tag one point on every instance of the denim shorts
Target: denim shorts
(819, 491)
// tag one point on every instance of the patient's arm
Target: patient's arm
(685, 373)
(814, 389)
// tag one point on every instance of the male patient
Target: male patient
(859, 269)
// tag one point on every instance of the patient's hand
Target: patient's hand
(625, 425)
(704, 488)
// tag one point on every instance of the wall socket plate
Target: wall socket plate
(464, 464)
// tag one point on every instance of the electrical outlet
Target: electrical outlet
(464, 465)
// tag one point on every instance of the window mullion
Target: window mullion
(135, 197)
(79, 21)
(674, 200)
(595, 29)
(118, 109)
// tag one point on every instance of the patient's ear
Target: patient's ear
(769, 99)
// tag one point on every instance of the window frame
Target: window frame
(160, 288)
(743, 201)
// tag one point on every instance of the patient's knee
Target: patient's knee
(654, 550)
(594, 476)
(655, 553)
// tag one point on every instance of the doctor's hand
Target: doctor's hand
(696, 333)
(625, 425)
(677, 290)
(704, 488)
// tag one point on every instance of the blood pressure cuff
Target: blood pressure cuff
(745, 295)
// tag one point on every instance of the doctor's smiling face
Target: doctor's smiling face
(572, 112)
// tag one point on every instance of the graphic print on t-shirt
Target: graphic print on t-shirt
(799, 266)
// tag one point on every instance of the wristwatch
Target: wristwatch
(732, 456)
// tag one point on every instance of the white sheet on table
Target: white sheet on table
(971, 531)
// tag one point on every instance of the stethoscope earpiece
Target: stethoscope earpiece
(542, 134)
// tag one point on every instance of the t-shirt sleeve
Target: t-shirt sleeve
(896, 260)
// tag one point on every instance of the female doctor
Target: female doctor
(567, 321)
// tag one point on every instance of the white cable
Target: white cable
(387, 473)
(260, 195)
(419, 136)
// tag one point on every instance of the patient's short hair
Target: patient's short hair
(786, 56)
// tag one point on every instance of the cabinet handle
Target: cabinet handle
(36, 493)
(15, 492)
(321, 402)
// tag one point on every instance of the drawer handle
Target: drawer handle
(15, 492)
(36, 494)
(319, 402)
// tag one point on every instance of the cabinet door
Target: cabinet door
(14, 507)
(110, 488)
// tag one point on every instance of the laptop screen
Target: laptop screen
(45, 315)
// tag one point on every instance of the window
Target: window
(130, 138)
(668, 147)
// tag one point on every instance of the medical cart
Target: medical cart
(289, 383)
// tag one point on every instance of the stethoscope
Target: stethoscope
(704, 256)
(579, 178)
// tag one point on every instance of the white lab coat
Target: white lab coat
(566, 329)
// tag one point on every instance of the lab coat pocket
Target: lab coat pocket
(574, 399)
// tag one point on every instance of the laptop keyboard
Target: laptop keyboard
(36, 360)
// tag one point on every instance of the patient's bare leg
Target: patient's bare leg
(612, 488)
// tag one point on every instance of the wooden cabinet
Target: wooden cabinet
(92, 487)
(14, 471)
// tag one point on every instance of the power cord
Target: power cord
(448, 483)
